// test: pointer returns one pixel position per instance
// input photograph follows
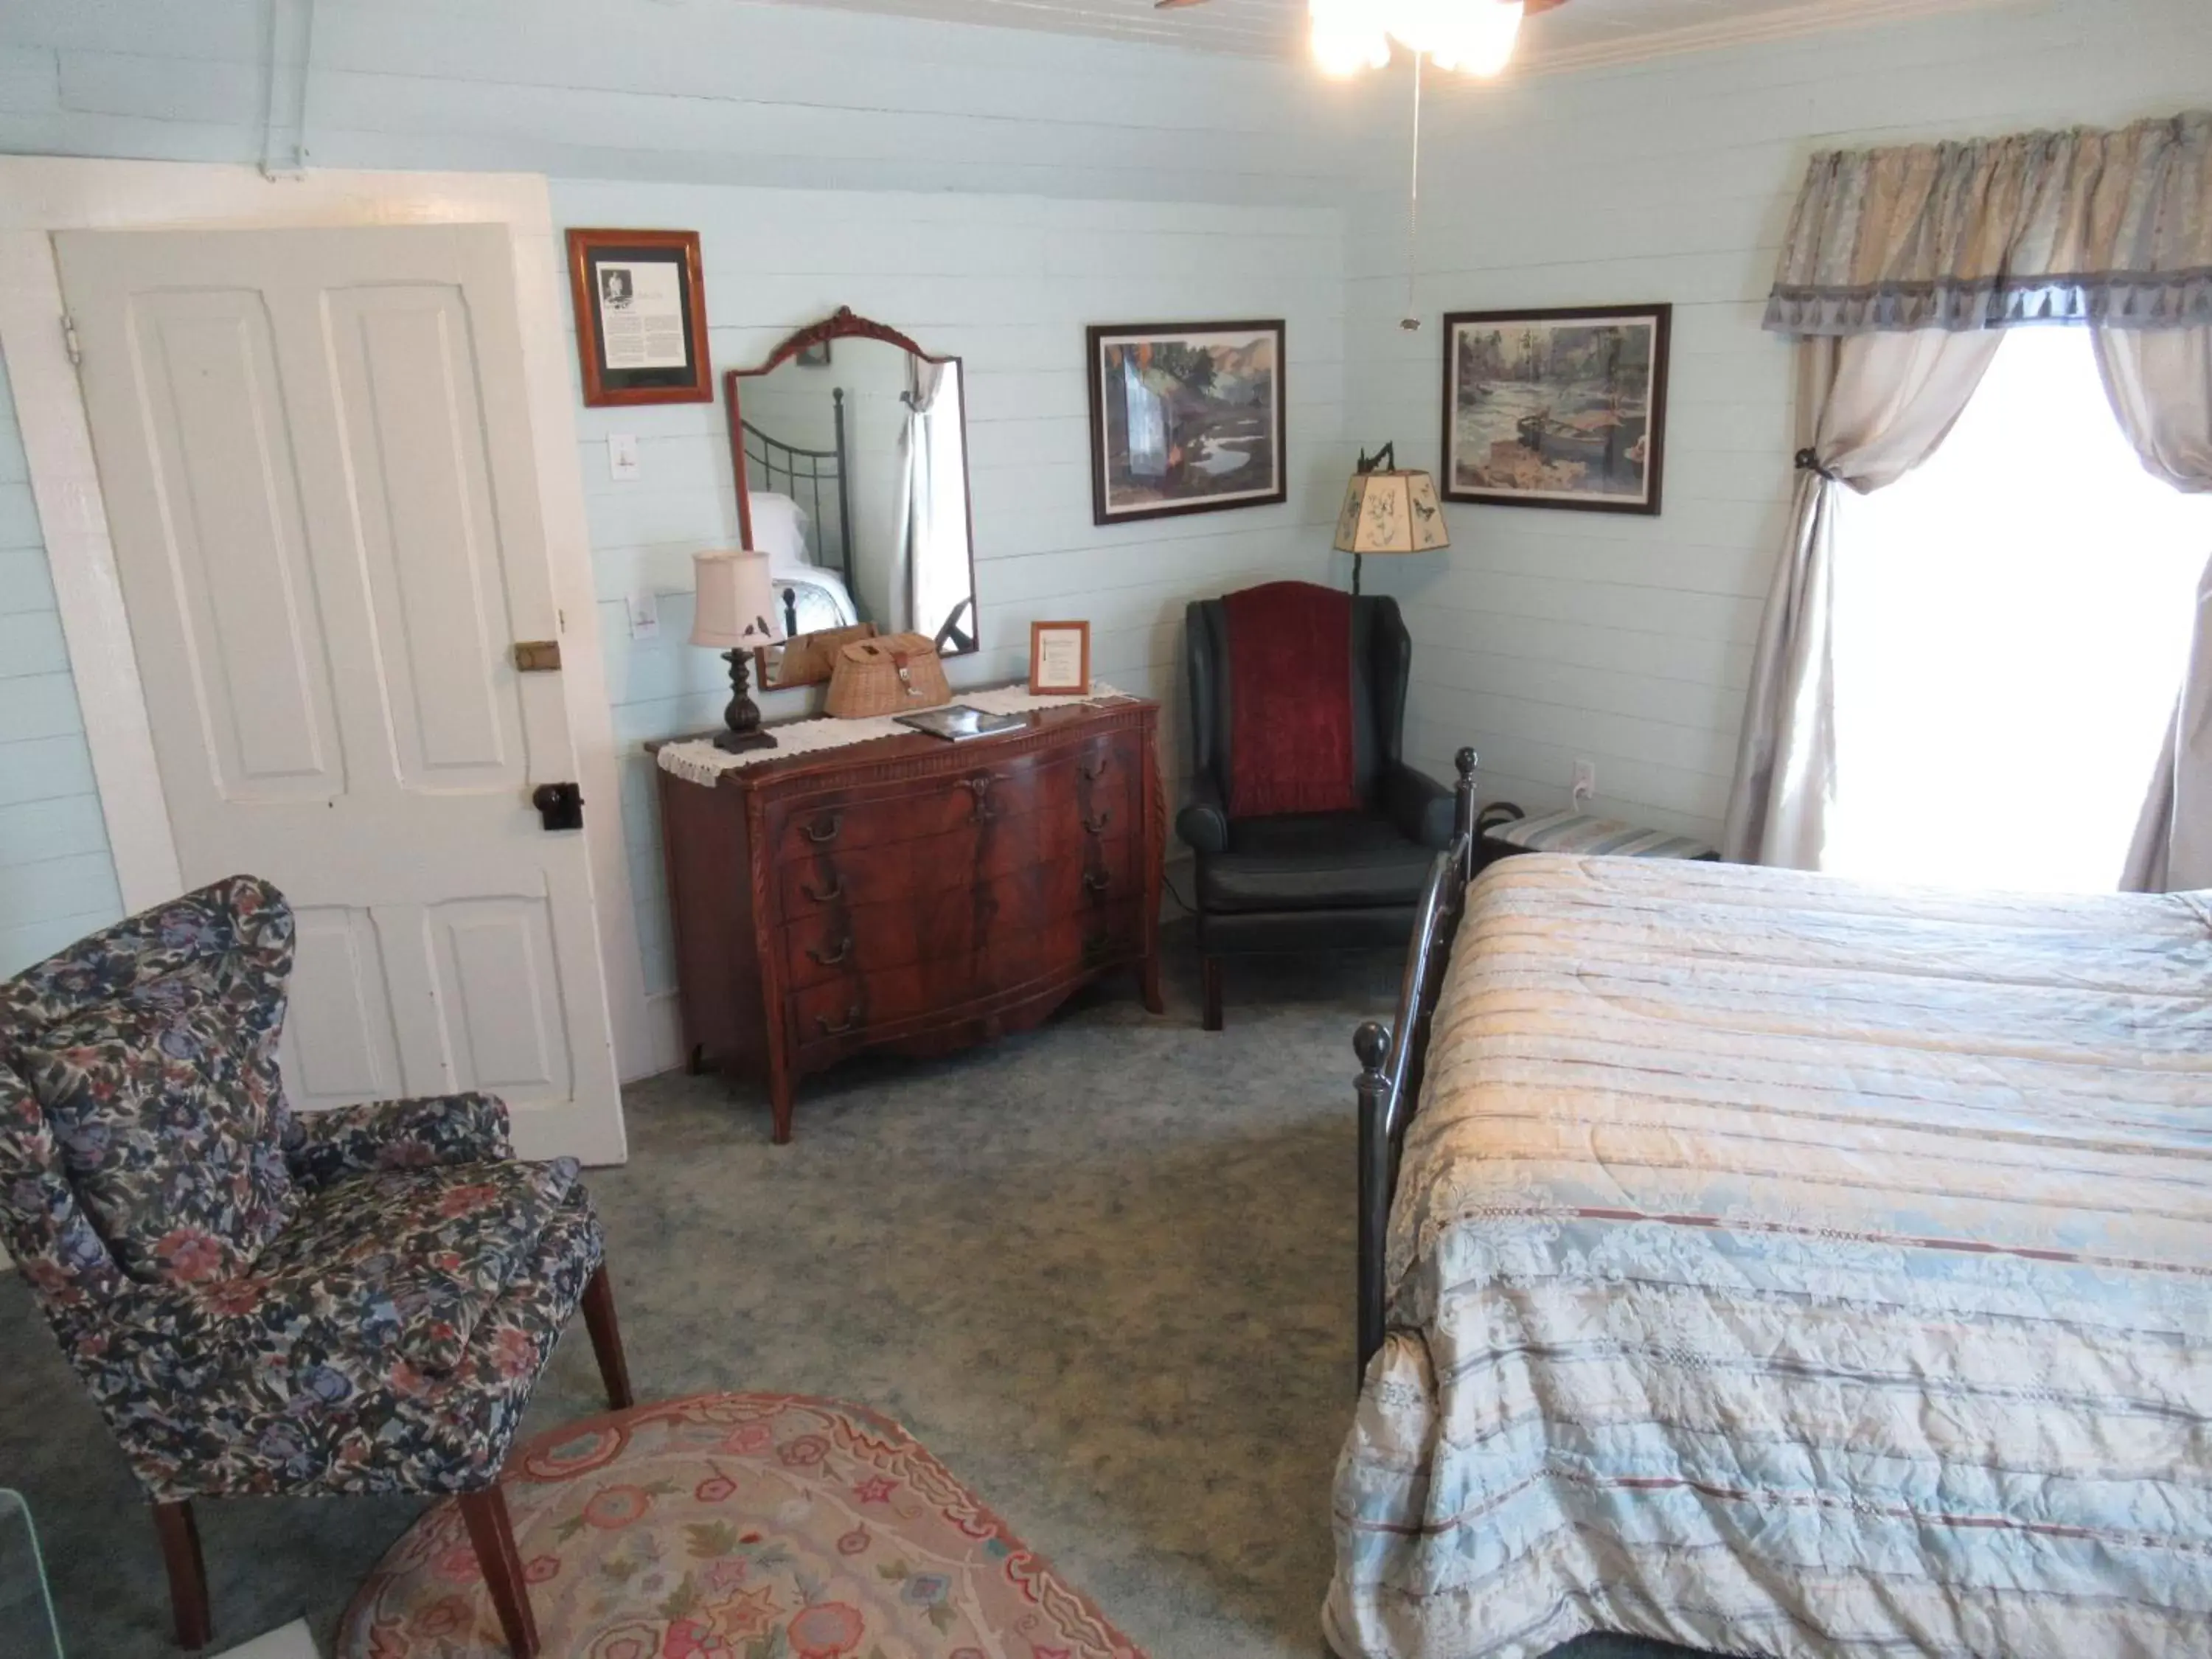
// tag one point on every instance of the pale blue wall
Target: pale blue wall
(57, 881)
(991, 191)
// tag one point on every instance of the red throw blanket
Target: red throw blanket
(1289, 700)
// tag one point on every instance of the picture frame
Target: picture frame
(1188, 417)
(640, 305)
(1059, 658)
(1564, 407)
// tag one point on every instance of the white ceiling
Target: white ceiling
(1586, 32)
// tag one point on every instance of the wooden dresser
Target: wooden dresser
(911, 895)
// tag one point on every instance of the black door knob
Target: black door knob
(560, 805)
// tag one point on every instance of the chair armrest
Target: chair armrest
(1423, 810)
(1203, 823)
(398, 1134)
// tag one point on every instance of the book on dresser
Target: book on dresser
(908, 894)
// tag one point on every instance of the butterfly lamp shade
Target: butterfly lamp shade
(737, 607)
(1392, 512)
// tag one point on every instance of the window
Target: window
(2012, 627)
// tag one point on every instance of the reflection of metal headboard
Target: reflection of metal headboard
(776, 467)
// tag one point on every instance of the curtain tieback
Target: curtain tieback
(1809, 460)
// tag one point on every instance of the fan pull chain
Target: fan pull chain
(1411, 324)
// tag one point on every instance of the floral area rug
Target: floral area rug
(734, 1525)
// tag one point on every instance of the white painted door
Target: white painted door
(315, 451)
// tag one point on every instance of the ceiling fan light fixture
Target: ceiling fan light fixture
(1345, 37)
(1477, 36)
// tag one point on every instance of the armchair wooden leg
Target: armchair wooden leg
(486, 1514)
(188, 1592)
(1213, 994)
(607, 1340)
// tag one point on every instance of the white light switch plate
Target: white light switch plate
(645, 615)
(622, 455)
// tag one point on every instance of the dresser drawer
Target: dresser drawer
(837, 941)
(1104, 773)
(830, 880)
(857, 1007)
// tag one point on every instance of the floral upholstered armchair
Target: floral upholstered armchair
(357, 1301)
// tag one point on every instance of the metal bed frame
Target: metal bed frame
(819, 471)
(1393, 1066)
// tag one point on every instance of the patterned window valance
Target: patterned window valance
(2110, 228)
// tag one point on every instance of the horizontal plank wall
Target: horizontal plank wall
(1543, 637)
(57, 880)
(704, 91)
(1008, 284)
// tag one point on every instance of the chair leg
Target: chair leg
(493, 1538)
(188, 1592)
(1213, 967)
(607, 1340)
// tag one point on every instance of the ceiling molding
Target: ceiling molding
(1813, 17)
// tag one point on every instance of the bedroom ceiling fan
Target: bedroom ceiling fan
(1474, 35)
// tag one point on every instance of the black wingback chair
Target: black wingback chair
(1314, 881)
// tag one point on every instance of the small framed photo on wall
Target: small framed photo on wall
(641, 317)
(1060, 660)
(1558, 409)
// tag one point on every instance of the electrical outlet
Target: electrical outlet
(645, 615)
(621, 456)
(1585, 781)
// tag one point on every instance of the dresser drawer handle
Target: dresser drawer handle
(823, 836)
(831, 958)
(1092, 774)
(979, 786)
(836, 892)
(1098, 881)
(1097, 826)
(1097, 946)
(852, 1023)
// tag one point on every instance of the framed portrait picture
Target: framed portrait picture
(1563, 409)
(1059, 658)
(1187, 417)
(641, 317)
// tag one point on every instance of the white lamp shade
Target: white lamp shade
(737, 609)
(1392, 513)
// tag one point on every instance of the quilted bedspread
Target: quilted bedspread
(1785, 1267)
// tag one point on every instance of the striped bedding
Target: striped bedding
(1785, 1267)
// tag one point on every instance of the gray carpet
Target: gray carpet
(1104, 1270)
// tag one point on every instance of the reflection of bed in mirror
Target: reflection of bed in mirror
(854, 480)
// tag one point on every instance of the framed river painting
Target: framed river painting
(1186, 418)
(1564, 409)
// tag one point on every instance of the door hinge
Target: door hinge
(69, 341)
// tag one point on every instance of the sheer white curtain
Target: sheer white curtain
(932, 539)
(1884, 404)
(2161, 385)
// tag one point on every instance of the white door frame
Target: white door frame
(42, 194)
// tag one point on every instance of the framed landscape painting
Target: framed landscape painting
(1563, 409)
(1186, 418)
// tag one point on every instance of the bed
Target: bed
(801, 517)
(1780, 1266)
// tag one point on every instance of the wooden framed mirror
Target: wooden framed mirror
(850, 448)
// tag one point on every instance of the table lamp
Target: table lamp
(737, 616)
(1388, 511)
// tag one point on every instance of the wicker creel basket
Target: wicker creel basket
(899, 674)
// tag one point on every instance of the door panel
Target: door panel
(339, 1045)
(316, 451)
(494, 959)
(412, 421)
(249, 642)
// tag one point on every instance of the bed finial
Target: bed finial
(1371, 1042)
(1463, 817)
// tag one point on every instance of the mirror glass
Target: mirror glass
(855, 458)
